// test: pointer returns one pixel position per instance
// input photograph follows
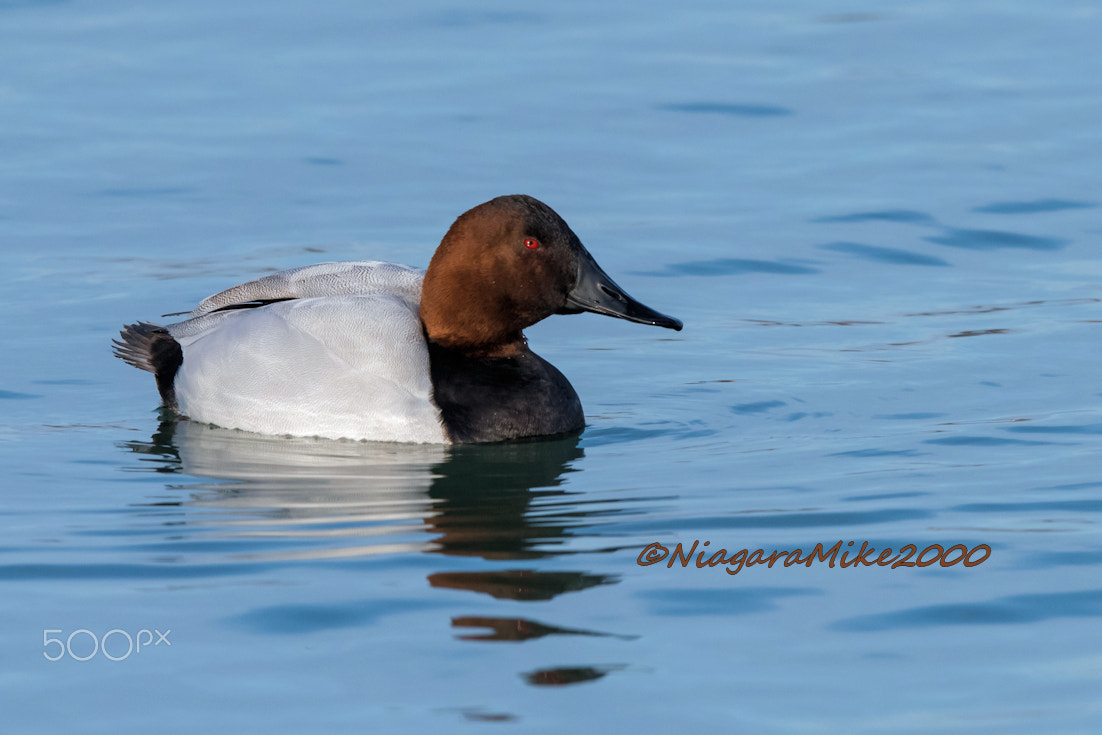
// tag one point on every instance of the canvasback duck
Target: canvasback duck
(384, 352)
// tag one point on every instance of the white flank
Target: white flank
(345, 359)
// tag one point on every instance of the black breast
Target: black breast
(497, 399)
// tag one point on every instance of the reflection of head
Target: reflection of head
(525, 585)
(483, 494)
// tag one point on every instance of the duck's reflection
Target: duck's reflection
(525, 585)
(516, 629)
(341, 499)
(472, 500)
(483, 497)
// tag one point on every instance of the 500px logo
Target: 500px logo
(99, 644)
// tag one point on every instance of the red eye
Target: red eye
(531, 243)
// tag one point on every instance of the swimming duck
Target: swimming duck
(377, 351)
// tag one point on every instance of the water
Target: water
(880, 228)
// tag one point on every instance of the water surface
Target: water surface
(881, 230)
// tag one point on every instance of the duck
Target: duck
(367, 350)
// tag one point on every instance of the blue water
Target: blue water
(881, 226)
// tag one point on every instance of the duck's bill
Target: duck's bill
(594, 291)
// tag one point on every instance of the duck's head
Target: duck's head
(509, 263)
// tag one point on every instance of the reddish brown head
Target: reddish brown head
(507, 264)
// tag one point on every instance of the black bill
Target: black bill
(594, 291)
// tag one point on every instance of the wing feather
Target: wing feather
(353, 278)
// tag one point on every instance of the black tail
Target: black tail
(150, 347)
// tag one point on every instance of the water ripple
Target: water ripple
(1017, 609)
(14, 4)
(1069, 429)
(996, 240)
(307, 618)
(982, 441)
(144, 192)
(728, 267)
(16, 572)
(1091, 558)
(724, 602)
(1077, 506)
(785, 519)
(759, 407)
(1034, 207)
(878, 453)
(722, 108)
(907, 216)
(11, 395)
(884, 255)
(473, 18)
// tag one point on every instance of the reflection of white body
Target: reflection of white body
(346, 357)
(326, 498)
(304, 466)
